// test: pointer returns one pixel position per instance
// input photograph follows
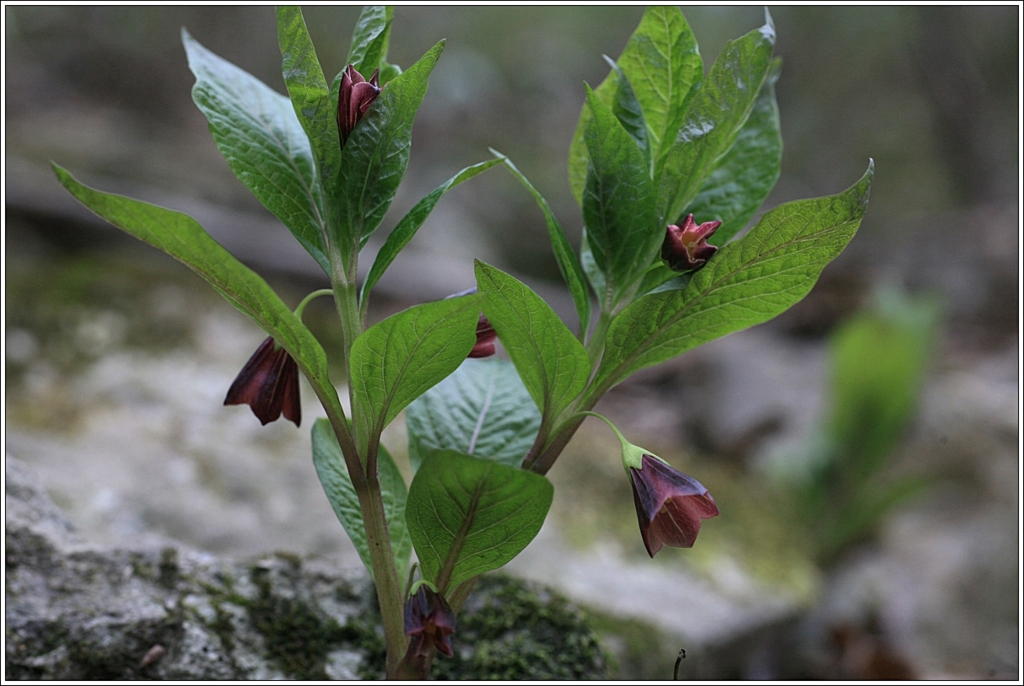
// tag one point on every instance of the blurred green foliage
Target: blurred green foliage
(878, 363)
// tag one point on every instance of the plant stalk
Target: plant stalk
(366, 481)
(385, 573)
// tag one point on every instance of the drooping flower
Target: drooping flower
(355, 95)
(485, 339)
(429, 621)
(269, 384)
(669, 504)
(687, 248)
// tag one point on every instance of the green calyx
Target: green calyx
(632, 455)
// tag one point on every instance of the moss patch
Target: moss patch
(513, 630)
(297, 636)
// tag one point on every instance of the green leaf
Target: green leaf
(627, 110)
(552, 363)
(623, 229)
(568, 265)
(334, 477)
(310, 96)
(377, 153)
(661, 278)
(468, 516)
(370, 39)
(184, 239)
(663, 65)
(410, 224)
(396, 360)
(715, 116)
(748, 172)
(263, 142)
(482, 409)
(747, 282)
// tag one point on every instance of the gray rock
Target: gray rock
(74, 611)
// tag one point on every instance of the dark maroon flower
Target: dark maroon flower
(269, 384)
(429, 621)
(485, 338)
(355, 95)
(687, 248)
(669, 504)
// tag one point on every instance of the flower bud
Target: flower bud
(485, 339)
(687, 248)
(429, 621)
(269, 384)
(355, 95)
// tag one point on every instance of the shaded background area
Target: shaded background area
(117, 358)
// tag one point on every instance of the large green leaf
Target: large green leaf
(410, 224)
(468, 516)
(482, 409)
(397, 360)
(263, 142)
(309, 93)
(568, 264)
(713, 120)
(183, 238)
(552, 363)
(334, 477)
(748, 172)
(624, 232)
(370, 39)
(662, 64)
(747, 282)
(377, 153)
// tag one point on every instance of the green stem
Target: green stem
(309, 298)
(595, 346)
(543, 462)
(588, 413)
(365, 479)
(348, 312)
(385, 572)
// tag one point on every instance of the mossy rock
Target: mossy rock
(514, 630)
(74, 612)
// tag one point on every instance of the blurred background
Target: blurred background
(863, 447)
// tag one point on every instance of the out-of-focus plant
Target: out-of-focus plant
(878, 362)
(668, 164)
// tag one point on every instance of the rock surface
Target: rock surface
(79, 612)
